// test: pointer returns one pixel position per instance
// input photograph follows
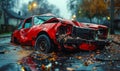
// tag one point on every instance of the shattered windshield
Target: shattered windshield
(41, 19)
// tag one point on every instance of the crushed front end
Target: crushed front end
(75, 37)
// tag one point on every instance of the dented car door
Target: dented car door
(25, 30)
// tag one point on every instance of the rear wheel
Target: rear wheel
(14, 40)
(43, 44)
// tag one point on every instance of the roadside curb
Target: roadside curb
(5, 36)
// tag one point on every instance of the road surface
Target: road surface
(15, 57)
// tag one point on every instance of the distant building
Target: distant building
(8, 20)
(1, 16)
(11, 20)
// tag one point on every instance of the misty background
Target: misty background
(106, 12)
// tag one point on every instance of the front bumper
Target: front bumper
(79, 41)
(85, 44)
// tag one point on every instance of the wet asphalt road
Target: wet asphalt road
(11, 56)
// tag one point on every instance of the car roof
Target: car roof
(48, 14)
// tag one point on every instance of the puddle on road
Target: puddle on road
(59, 61)
(4, 40)
(99, 60)
(85, 61)
(67, 62)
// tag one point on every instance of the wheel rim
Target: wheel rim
(43, 45)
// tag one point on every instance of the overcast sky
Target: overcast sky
(60, 4)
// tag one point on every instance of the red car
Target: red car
(47, 32)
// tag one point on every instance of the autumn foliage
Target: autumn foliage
(94, 8)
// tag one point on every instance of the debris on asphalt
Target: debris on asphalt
(106, 59)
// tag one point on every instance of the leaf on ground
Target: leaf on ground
(52, 59)
(43, 67)
(85, 63)
(92, 55)
(70, 69)
(79, 57)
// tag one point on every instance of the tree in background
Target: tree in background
(116, 5)
(88, 8)
(24, 10)
(34, 7)
(73, 5)
(42, 7)
(6, 4)
(94, 8)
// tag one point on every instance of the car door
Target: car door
(25, 30)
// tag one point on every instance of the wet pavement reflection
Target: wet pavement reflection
(80, 61)
(23, 58)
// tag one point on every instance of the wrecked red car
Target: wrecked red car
(47, 33)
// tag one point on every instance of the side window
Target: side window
(28, 23)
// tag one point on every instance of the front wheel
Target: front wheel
(43, 44)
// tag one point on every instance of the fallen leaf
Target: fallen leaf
(86, 64)
(43, 67)
(70, 69)
(89, 62)
(52, 59)
(92, 55)
(79, 57)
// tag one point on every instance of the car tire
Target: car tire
(14, 40)
(43, 44)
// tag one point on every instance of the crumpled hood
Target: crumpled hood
(94, 26)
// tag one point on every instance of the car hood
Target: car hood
(94, 26)
(74, 23)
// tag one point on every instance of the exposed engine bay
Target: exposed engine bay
(74, 36)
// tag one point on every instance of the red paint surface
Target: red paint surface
(28, 36)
